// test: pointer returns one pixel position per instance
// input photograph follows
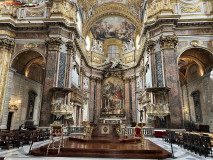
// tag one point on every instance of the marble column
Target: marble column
(171, 77)
(75, 115)
(6, 48)
(70, 53)
(98, 100)
(91, 105)
(134, 112)
(9, 88)
(50, 79)
(126, 101)
(80, 116)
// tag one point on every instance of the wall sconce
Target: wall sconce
(13, 107)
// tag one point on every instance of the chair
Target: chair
(138, 134)
(56, 131)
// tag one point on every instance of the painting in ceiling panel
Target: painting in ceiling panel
(113, 27)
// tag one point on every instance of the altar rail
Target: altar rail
(130, 130)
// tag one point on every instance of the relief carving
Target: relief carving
(190, 9)
(66, 9)
(9, 10)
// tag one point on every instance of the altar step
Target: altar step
(104, 147)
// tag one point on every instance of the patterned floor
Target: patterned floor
(21, 153)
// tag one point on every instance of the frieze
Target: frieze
(208, 44)
(190, 9)
(35, 14)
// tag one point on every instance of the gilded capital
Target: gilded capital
(168, 42)
(53, 43)
(71, 48)
(6, 45)
(150, 46)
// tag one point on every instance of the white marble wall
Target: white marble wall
(21, 88)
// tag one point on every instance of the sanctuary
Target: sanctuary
(106, 63)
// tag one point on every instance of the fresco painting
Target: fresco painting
(113, 27)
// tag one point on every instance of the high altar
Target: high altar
(112, 111)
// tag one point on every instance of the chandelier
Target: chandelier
(158, 110)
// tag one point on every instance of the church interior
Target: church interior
(120, 74)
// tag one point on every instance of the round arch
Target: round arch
(26, 50)
(190, 47)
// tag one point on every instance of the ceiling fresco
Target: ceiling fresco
(113, 27)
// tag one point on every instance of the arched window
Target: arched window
(113, 51)
(75, 76)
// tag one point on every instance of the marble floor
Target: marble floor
(22, 153)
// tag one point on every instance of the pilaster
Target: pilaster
(171, 76)
(50, 80)
(6, 48)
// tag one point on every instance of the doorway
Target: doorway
(9, 120)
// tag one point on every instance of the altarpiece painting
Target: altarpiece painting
(112, 102)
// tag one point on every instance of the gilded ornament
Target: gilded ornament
(190, 9)
(156, 7)
(53, 43)
(6, 44)
(194, 43)
(9, 10)
(67, 10)
(168, 42)
(35, 14)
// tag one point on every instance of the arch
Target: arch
(112, 9)
(190, 47)
(29, 63)
(25, 50)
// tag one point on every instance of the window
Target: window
(75, 76)
(113, 51)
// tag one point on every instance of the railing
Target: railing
(130, 130)
(77, 130)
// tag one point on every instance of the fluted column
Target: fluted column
(50, 80)
(6, 48)
(171, 76)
